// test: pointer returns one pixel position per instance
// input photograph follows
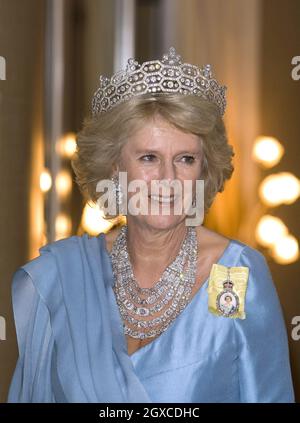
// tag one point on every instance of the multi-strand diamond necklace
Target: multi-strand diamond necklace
(147, 312)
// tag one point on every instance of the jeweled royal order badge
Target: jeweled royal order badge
(227, 290)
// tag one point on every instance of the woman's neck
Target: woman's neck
(151, 248)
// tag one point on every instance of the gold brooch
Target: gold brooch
(226, 291)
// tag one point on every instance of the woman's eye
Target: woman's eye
(151, 157)
(148, 157)
(188, 159)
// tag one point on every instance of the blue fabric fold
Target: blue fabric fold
(72, 346)
(72, 281)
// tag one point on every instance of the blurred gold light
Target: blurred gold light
(44, 239)
(280, 188)
(66, 146)
(289, 186)
(63, 183)
(45, 180)
(267, 151)
(93, 221)
(286, 250)
(63, 226)
(269, 230)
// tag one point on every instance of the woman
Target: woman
(142, 314)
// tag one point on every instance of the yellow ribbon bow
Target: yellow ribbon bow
(226, 290)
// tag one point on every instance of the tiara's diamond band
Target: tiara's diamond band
(168, 75)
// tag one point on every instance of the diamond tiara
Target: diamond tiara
(168, 75)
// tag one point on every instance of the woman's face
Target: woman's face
(159, 152)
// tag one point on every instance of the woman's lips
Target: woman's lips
(161, 199)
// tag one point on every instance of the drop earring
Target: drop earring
(117, 190)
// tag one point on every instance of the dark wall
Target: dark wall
(21, 43)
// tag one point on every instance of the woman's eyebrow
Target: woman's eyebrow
(146, 150)
(151, 151)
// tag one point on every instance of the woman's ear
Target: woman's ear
(115, 169)
(118, 166)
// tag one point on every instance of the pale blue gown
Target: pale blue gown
(72, 347)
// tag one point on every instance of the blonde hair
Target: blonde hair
(102, 137)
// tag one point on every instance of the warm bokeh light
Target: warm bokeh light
(63, 183)
(280, 188)
(44, 239)
(269, 230)
(63, 226)
(66, 146)
(285, 250)
(267, 151)
(45, 180)
(40, 182)
(92, 220)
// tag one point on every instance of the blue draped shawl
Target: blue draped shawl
(72, 347)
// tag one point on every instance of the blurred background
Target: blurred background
(51, 55)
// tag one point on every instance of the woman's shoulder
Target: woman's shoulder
(63, 267)
(214, 244)
(62, 243)
(68, 245)
(66, 254)
(43, 260)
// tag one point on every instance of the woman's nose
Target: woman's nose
(168, 170)
(167, 175)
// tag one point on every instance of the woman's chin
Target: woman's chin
(160, 221)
